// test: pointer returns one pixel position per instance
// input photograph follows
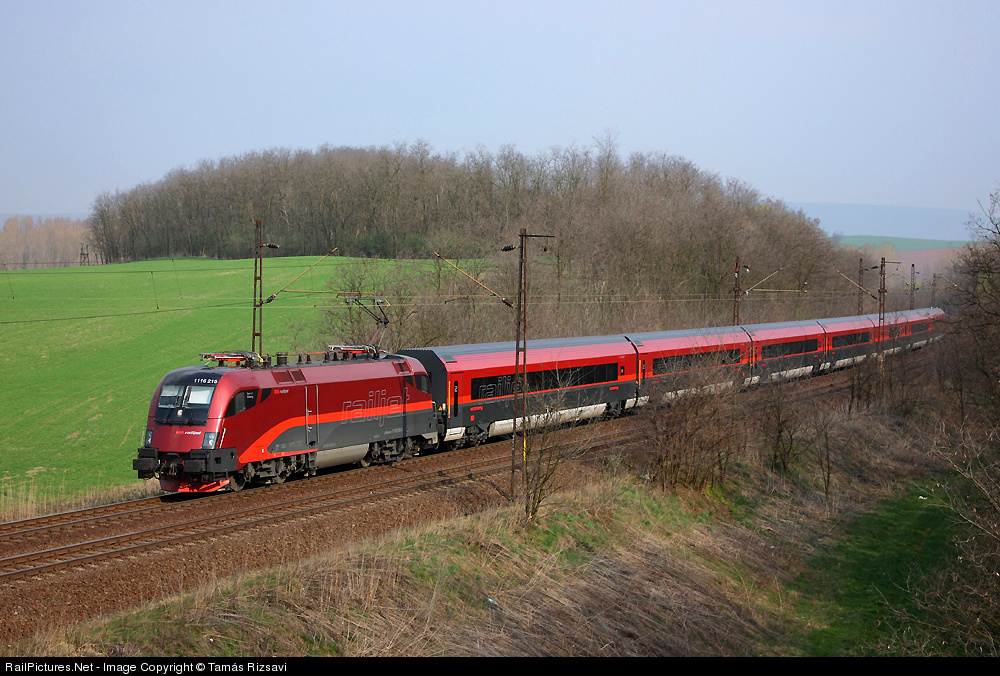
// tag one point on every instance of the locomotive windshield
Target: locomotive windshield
(184, 404)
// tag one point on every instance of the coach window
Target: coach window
(851, 339)
(184, 404)
(689, 362)
(787, 349)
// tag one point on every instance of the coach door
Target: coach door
(456, 378)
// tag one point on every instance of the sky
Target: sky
(872, 103)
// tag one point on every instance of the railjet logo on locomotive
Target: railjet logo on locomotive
(378, 400)
(242, 419)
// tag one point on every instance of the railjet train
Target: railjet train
(243, 419)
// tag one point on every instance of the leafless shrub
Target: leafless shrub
(887, 380)
(829, 436)
(970, 605)
(863, 379)
(904, 383)
(689, 439)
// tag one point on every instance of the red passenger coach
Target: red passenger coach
(849, 340)
(474, 386)
(910, 329)
(786, 349)
(923, 325)
(852, 339)
(672, 361)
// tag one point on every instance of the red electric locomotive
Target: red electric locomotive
(221, 425)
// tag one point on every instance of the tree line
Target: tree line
(626, 228)
(28, 242)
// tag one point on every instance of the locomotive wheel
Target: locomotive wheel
(237, 482)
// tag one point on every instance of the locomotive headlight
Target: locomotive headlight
(149, 438)
(209, 441)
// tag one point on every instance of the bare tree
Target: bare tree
(976, 322)
(826, 437)
(551, 440)
(27, 242)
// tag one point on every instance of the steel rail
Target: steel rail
(78, 516)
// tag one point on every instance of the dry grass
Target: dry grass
(23, 501)
(609, 571)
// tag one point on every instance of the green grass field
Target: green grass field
(82, 350)
(901, 243)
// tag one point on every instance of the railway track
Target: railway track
(44, 524)
(86, 552)
(236, 516)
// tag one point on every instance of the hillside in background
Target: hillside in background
(929, 256)
(887, 221)
(900, 243)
